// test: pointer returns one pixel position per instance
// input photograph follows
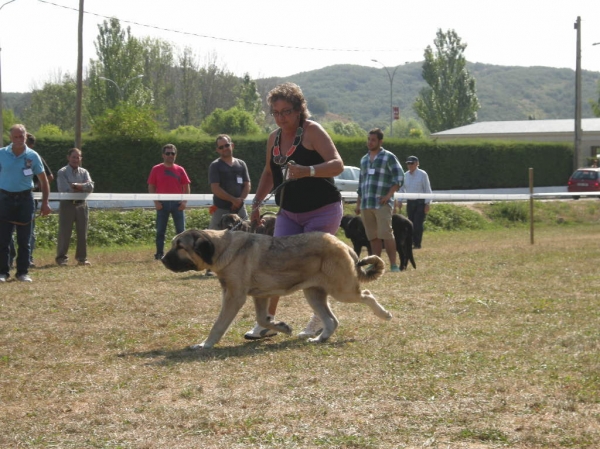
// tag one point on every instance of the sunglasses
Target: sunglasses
(409, 163)
(227, 145)
(283, 113)
(170, 153)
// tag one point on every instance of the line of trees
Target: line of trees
(145, 85)
(142, 87)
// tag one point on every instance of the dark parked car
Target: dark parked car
(584, 180)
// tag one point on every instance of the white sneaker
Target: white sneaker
(3, 277)
(259, 332)
(24, 278)
(313, 328)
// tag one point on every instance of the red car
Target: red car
(584, 180)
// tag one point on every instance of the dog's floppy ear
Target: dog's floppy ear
(204, 248)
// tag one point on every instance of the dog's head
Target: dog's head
(229, 221)
(353, 227)
(265, 226)
(346, 219)
(191, 250)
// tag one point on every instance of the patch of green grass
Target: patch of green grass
(449, 217)
(508, 213)
(488, 435)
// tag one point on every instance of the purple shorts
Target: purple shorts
(324, 219)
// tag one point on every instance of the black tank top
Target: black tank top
(305, 194)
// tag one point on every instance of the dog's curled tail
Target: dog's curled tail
(375, 268)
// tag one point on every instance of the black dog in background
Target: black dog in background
(354, 230)
(403, 234)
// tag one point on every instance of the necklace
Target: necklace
(280, 159)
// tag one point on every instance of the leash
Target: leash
(19, 223)
(237, 226)
(276, 189)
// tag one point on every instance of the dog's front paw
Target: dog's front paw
(283, 328)
(199, 347)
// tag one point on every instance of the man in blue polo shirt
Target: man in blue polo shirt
(18, 164)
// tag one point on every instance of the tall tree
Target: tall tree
(120, 60)
(219, 87)
(249, 99)
(596, 104)
(450, 100)
(188, 108)
(159, 77)
(53, 104)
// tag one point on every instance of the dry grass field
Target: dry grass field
(494, 343)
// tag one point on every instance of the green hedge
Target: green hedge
(122, 166)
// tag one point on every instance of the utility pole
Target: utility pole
(577, 151)
(1, 105)
(391, 78)
(79, 100)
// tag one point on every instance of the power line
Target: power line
(262, 44)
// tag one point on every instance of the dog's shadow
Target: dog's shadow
(248, 349)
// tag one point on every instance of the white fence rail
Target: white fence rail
(206, 199)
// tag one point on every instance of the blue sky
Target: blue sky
(38, 38)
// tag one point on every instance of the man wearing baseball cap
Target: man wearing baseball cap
(416, 181)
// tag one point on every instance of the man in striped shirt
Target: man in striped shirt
(381, 176)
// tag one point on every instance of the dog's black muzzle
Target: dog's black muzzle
(174, 263)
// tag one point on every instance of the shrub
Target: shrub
(447, 217)
(234, 121)
(49, 130)
(508, 213)
(118, 228)
(188, 132)
(126, 120)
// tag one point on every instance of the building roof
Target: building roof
(523, 127)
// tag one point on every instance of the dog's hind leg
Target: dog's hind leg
(261, 306)
(401, 252)
(409, 253)
(367, 298)
(317, 299)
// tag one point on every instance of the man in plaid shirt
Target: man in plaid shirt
(381, 176)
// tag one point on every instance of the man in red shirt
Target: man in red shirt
(168, 177)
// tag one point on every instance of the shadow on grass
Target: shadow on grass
(247, 349)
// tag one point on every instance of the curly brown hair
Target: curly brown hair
(291, 93)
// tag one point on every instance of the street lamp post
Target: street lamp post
(1, 105)
(391, 78)
(121, 91)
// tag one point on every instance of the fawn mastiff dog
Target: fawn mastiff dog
(262, 266)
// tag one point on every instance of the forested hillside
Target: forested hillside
(362, 94)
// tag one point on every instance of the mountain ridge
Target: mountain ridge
(362, 94)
